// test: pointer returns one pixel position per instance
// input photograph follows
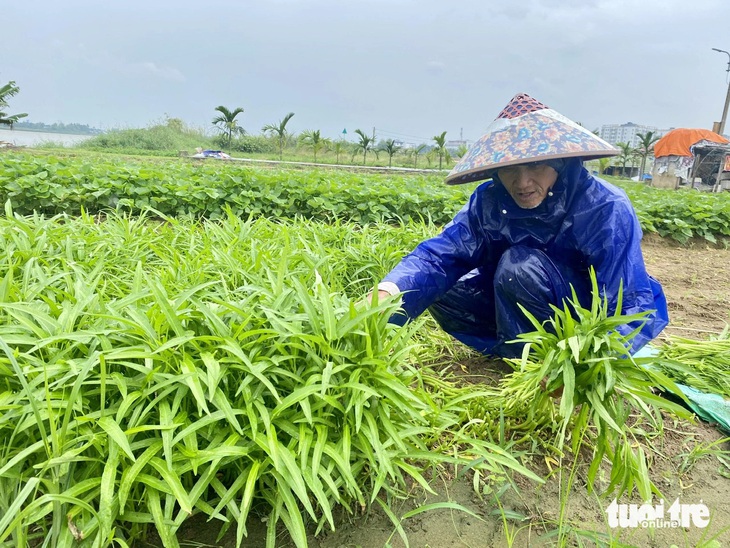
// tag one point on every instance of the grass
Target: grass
(157, 368)
(169, 136)
(164, 138)
(703, 450)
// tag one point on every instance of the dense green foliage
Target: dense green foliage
(205, 189)
(211, 360)
(705, 364)
(682, 214)
(581, 353)
(151, 370)
(248, 144)
(65, 184)
(576, 390)
(166, 138)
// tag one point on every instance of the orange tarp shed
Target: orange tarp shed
(678, 141)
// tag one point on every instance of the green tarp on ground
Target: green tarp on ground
(711, 408)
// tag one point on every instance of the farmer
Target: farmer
(526, 235)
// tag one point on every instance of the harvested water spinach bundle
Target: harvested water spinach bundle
(703, 365)
(581, 352)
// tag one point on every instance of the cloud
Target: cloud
(368, 62)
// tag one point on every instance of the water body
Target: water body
(34, 138)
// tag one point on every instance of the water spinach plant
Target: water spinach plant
(580, 354)
(703, 365)
(577, 397)
(154, 370)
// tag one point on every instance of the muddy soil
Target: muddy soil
(696, 279)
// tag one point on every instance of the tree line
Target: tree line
(226, 122)
(59, 127)
(629, 153)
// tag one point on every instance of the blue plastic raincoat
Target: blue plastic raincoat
(495, 254)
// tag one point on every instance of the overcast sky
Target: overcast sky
(409, 68)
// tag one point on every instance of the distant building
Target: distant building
(627, 133)
(454, 145)
(402, 144)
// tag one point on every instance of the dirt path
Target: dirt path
(696, 280)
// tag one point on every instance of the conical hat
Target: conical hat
(526, 131)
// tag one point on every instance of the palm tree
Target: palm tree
(462, 150)
(416, 152)
(6, 92)
(365, 143)
(645, 148)
(338, 148)
(226, 122)
(431, 156)
(280, 131)
(390, 148)
(626, 151)
(603, 164)
(314, 140)
(440, 147)
(634, 156)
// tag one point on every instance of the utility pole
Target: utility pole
(727, 97)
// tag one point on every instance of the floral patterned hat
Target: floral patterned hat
(526, 131)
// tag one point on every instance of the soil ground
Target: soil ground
(696, 279)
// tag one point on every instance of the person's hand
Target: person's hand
(381, 295)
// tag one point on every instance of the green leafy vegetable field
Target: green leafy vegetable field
(57, 184)
(183, 339)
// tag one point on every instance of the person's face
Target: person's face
(528, 184)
